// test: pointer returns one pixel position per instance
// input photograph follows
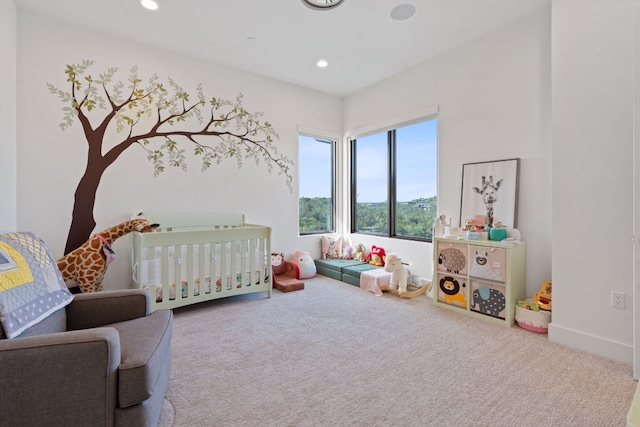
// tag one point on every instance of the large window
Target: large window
(317, 185)
(394, 182)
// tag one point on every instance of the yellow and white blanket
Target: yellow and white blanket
(31, 286)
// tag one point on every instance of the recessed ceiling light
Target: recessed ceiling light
(402, 12)
(322, 63)
(149, 4)
(322, 4)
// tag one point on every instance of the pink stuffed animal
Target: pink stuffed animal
(305, 264)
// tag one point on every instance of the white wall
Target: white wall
(8, 132)
(493, 98)
(592, 200)
(51, 161)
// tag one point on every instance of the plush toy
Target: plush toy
(376, 256)
(305, 264)
(543, 296)
(347, 253)
(277, 263)
(87, 265)
(285, 274)
(359, 252)
(398, 272)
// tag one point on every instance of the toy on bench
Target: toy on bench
(286, 274)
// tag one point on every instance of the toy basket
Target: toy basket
(535, 321)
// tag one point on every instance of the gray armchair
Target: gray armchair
(103, 360)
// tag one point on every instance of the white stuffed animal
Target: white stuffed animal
(399, 274)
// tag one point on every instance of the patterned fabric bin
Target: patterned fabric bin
(535, 321)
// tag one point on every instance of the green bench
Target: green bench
(345, 270)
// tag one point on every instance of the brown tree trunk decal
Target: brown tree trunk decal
(82, 220)
(216, 129)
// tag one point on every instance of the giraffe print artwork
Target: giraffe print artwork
(488, 192)
(87, 265)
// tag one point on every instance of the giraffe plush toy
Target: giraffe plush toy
(88, 264)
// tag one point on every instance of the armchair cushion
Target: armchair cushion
(96, 309)
(145, 339)
(145, 343)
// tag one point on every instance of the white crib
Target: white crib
(195, 258)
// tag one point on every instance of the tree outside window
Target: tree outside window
(394, 182)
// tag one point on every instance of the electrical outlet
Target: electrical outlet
(617, 299)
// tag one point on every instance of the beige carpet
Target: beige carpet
(334, 355)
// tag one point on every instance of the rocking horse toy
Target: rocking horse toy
(400, 277)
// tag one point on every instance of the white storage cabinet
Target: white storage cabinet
(482, 278)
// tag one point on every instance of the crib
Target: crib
(196, 258)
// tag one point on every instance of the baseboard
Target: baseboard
(591, 343)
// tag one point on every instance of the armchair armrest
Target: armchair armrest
(66, 378)
(92, 310)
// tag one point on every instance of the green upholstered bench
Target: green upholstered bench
(346, 270)
(333, 267)
(351, 274)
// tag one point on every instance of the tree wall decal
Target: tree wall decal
(162, 120)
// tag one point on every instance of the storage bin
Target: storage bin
(535, 321)
(497, 234)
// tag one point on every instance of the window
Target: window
(317, 185)
(393, 179)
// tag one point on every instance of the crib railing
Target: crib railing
(186, 261)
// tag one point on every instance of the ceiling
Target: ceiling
(283, 39)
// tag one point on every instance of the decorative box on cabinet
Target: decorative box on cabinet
(482, 278)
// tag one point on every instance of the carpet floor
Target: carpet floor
(335, 355)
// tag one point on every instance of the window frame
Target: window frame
(391, 179)
(333, 141)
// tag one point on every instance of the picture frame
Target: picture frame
(490, 189)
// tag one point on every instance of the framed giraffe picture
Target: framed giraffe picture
(490, 191)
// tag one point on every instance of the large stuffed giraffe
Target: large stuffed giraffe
(88, 264)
